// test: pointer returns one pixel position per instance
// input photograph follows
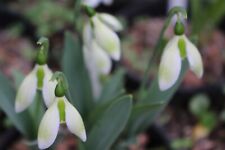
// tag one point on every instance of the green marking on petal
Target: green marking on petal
(61, 107)
(182, 48)
(40, 77)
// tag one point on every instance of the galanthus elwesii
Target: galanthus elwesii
(60, 112)
(101, 30)
(37, 79)
(95, 3)
(101, 43)
(177, 49)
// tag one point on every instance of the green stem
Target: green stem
(156, 52)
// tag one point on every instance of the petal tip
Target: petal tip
(83, 136)
(19, 108)
(164, 86)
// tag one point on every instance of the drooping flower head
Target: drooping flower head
(60, 112)
(100, 30)
(37, 79)
(101, 44)
(177, 49)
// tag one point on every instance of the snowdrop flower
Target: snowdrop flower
(101, 41)
(177, 49)
(95, 3)
(37, 79)
(60, 112)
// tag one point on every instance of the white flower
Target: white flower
(106, 38)
(176, 49)
(61, 111)
(38, 78)
(95, 3)
(102, 32)
(101, 43)
(99, 57)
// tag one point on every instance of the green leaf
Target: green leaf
(113, 87)
(22, 121)
(140, 109)
(154, 96)
(110, 125)
(99, 110)
(74, 68)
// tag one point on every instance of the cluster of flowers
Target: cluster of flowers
(101, 44)
(59, 108)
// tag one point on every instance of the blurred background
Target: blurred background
(194, 118)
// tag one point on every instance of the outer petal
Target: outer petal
(87, 33)
(194, 58)
(170, 65)
(111, 21)
(107, 39)
(74, 121)
(102, 60)
(49, 127)
(93, 72)
(48, 90)
(26, 92)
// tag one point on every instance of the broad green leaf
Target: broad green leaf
(113, 87)
(99, 109)
(74, 68)
(140, 109)
(110, 125)
(155, 96)
(22, 121)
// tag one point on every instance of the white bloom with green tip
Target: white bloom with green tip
(110, 21)
(38, 78)
(178, 48)
(106, 38)
(99, 57)
(101, 43)
(61, 111)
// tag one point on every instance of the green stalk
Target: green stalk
(156, 52)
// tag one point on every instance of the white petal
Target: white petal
(74, 121)
(26, 92)
(48, 90)
(93, 72)
(92, 3)
(170, 65)
(194, 58)
(49, 127)
(87, 33)
(107, 39)
(111, 21)
(102, 60)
